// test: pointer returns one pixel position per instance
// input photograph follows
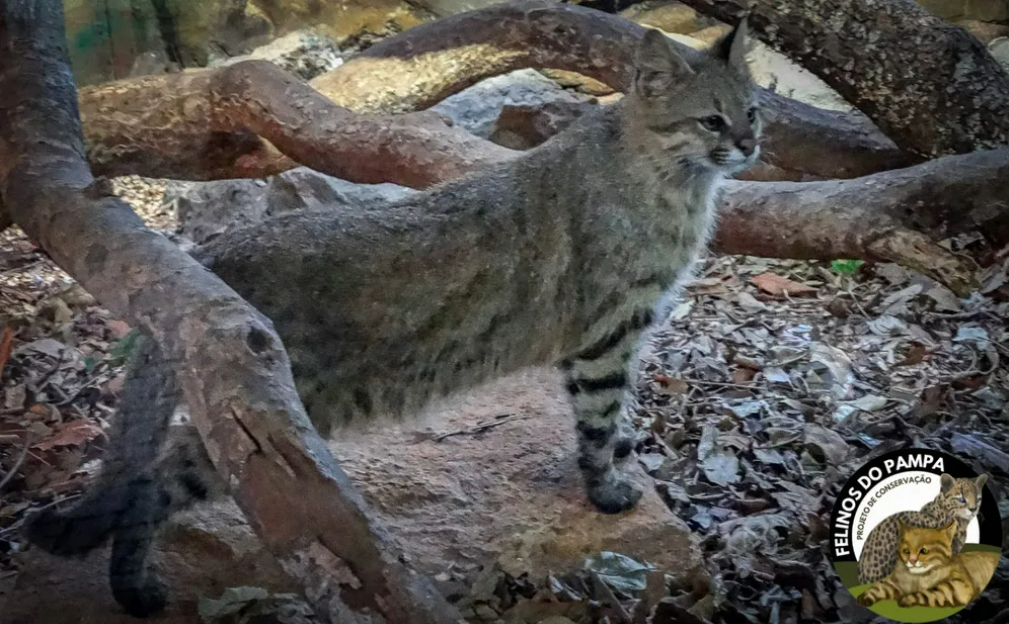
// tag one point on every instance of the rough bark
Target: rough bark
(170, 126)
(930, 86)
(207, 125)
(233, 367)
(893, 216)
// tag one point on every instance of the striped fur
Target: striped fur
(567, 254)
(929, 574)
(958, 500)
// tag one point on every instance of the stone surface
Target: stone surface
(669, 16)
(510, 494)
(304, 53)
(203, 553)
(525, 127)
(983, 10)
(999, 48)
(478, 107)
(206, 209)
(574, 80)
(442, 8)
(984, 31)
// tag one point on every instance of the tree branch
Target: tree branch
(233, 367)
(172, 126)
(893, 216)
(931, 87)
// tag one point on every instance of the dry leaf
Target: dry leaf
(915, 355)
(73, 433)
(6, 344)
(743, 375)
(778, 286)
(672, 385)
(118, 329)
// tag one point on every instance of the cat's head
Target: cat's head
(923, 549)
(963, 495)
(703, 112)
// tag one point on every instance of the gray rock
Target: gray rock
(304, 53)
(441, 8)
(207, 209)
(478, 107)
(999, 48)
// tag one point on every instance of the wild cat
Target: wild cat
(928, 573)
(564, 255)
(958, 501)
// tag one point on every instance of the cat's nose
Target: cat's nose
(747, 146)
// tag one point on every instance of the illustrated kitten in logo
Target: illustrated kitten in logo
(958, 501)
(928, 574)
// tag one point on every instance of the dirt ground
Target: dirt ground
(772, 382)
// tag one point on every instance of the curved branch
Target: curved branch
(167, 126)
(208, 124)
(234, 370)
(931, 87)
(893, 216)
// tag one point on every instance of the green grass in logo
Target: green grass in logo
(848, 572)
(890, 609)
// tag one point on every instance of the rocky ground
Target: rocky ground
(771, 382)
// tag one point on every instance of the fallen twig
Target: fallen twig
(480, 427)
(17, 465)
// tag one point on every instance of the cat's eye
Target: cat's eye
(751, 114)
(714, 123)
(924, 551)
(963, 500)
(907, 552)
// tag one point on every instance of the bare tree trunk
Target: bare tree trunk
(233, 367)
(931, 87)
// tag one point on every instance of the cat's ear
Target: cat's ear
(732, 47)
(949, 530)
(946, 483)
(980, 481)
(900, 527)
(658, 66)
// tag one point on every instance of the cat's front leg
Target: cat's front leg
(876, 593)
(598, 402)
(911, 600)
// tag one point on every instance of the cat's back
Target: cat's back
(979, 566)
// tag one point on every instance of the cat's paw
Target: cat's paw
(142, 601)
(866, 599)
(615, 495)
(909, 600)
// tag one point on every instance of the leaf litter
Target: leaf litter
(770, 384)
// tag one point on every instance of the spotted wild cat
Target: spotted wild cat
(958, 500)
(929, 574)
(566, 254)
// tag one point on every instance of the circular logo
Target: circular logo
(916, 535)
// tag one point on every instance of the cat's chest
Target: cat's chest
(910, 583)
